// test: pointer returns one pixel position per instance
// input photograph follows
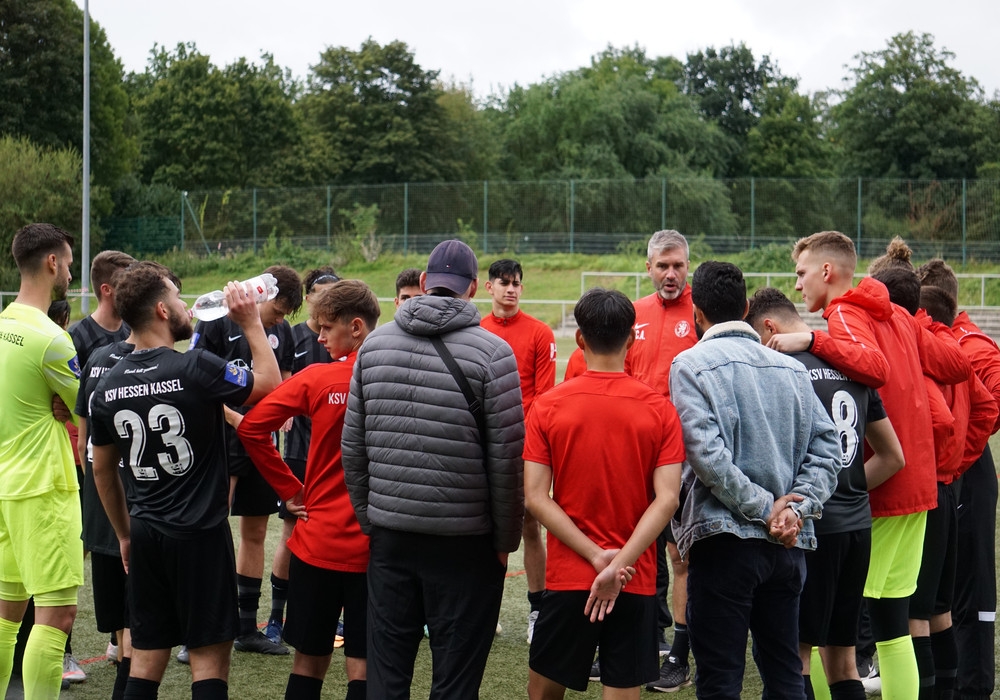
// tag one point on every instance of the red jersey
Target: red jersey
(602, 478)
(663, 329)
(864, 329)
(982, 352)
(576, 366)
(331, 538)
(534, 347)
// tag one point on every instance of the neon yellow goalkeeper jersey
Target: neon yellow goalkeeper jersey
(37, 360)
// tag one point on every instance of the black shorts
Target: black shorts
(110, 592)
(182, 591)
(298, 467)
(253, 495)
(564, 642)
(835, 582)
(936, 581)
(315, 599)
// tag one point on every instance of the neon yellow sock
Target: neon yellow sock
(897, 666)
(8, 640)
(42, 666)
(821, 688)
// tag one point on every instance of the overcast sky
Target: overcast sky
(497, 44)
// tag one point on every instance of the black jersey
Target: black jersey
(308, 351)
(223, 337)
(98, 535)
(163, 411)
(88, 335)
(851, 406)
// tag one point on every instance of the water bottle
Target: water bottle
(211, 306)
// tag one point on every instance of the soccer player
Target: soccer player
(308, 351)
(835, 572)
(329, 551)
(975, 602)
(760, 464)
(534, 347)
(586, 602)
(865, 329)
(663, 328)
(104, 326)
(407, 285)
(434, 472)
(251, 497)
(39, 505)
(157, 420)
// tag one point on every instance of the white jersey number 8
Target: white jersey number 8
(845, 418)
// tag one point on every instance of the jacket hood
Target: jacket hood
(428, 315)
(871, 295)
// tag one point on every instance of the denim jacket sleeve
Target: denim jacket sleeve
(707, 453)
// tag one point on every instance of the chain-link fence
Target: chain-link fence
(958, 219)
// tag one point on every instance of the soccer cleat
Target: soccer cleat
(868, 670)
(595, 669)
(183, 656)
(499, 629)
(532, 617)
(673, 677)
(111, 653)
(273, 631)
(72, 671)
(257, 643)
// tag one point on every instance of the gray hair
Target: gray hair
(666, 240)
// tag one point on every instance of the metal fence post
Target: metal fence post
(963, 221)
(406, 217)
(329, 241)
(183, 197)
(753, 213)
(857, 245)
(486, 211)
(572, 212)
(255, 220)
(663, 203)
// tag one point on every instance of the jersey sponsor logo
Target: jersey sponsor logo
(12, 338)
(234, 338)
(273, 341)
(74, 366)
(300, 354)
(236, 375)
(552, 352)
(682, 329)
(337, 398)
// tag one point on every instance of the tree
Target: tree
(206, 127)
(730, 87)
(909, 114)
(788, 139)
(41, 80)
(380, 114)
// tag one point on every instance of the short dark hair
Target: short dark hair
(770, 302)
(138, 289)
(605, 318)
(104, 266)
(937, 273)
(410, 277)
(345, 300)
(289, 287)
(719, 290)
(903, 285)
(505, 269)
(318, 276)
(35, 241)
(59, 312)
(939, 304)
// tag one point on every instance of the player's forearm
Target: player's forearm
(259, 445)
(110, 489)
(562, 527)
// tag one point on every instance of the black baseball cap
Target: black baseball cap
(452, 265)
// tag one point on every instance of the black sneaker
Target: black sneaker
(257, 643)
(673, 677)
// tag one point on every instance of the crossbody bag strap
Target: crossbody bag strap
(475, 407)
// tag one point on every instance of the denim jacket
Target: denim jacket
(754, 430)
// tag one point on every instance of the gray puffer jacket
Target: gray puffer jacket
(412, 456)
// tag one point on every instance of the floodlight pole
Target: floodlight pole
(85, 244)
